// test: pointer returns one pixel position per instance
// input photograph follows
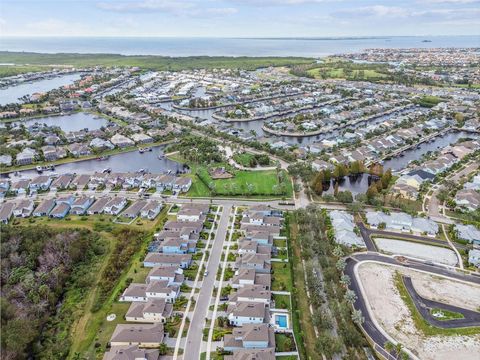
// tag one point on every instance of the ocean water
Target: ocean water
(308, 47)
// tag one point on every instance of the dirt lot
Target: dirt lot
(421, 251)
(393, 315)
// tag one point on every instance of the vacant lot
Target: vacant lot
(421, 251)
(394, 316)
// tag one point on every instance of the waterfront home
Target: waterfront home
(154, 259)
(52, 153)
(244, 277)
(130, 352)
(115, 205)
(23, 208)
(140, 138)
(78, 149)
(44, 208)
(26, 156)
(80, 181)
(134, 210)
(121, 141)
(165, 182)
(62, 182)
(101, 144)
(41, 182)
(250, 336)
(247, 313)
(6, 212)
(81, 204)
(143, 335)
(474, 257)
(468, 199)
(152, 311)
(60, 210)
(151, 210)
(98, 206)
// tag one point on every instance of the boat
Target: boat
(39, 169)
(101, 158)
(150, 149)
(107, 171)
(141, 150)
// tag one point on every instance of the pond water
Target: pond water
(125, 162)
(355, 184)
(12, 94)
(400, 162)
(72, 122)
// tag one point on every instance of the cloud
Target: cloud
(373, 11)
(448, 1)
(178, 8)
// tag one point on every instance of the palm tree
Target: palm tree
(388, 346)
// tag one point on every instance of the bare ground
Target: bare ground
(393, 315)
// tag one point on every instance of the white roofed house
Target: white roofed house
(173, 274)
(151, 210)
(26, 156)
(131, 352)
(143, 335)
(247, 313)
(115, 205)
(23, 208)
(469, 233)
(152, 311)
(81, 204)
(141, 138)
(474, 257)
(424, 226)
(344, 227)
(121, 141)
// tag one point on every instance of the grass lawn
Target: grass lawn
(420, 323)
(280, 242)
(91, 332)
(339, 73)
(282, 301)
(444, 315)
(281, 277)
(243, 159)
(245, 183)
(284, 343)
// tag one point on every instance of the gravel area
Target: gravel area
(394, 317)
(421, 251)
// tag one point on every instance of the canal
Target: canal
(71, 122)
(12, 94)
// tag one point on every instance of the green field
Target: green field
(281, 277)
(340, 73)
(244, 183)
(148, 62)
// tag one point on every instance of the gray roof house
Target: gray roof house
(6, 212)
(143, 335)
(130, 352)
(44, 208)
(474, 257)
(469, 233)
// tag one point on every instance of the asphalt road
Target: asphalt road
(193, 342)
(367, 233)
(471, 318)
(369, 325)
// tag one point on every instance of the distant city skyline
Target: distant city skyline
(239, 18)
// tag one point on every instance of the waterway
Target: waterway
(12, 94)
(185, 46)
(73, 122)
(124, 162)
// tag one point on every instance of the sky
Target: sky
(238, 18)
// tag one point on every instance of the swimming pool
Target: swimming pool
(281, 321)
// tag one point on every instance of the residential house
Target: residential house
(469, 233)
(173, 274)
(44, 208)
(134, 210)
(252, 354)
(131, 352)
(247, 313)
(250, 336)
(152, 311)
(62, 182)
(143, 335)
(60, 210)
(6, 212)
(26, 156)
(474, 257)
(154, 259)
(244, 277)
(115, 205)
(81, 204)
(151, 210)
(121, 141)
(23, 208)
(41, 182)
(468, 199)
(98, 206)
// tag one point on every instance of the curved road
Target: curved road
(376, 334)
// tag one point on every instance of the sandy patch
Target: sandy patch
(421, 251)
(393, 315)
